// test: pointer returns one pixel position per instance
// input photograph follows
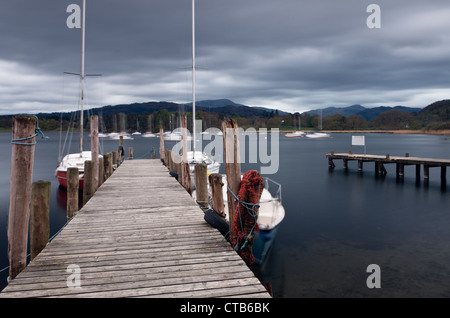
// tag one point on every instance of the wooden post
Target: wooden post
(360, 165)
(22, 160)
(400, 170)
(88, 184)
(101, 171)
(443, 173)
(39, 217)
(187, 177)
(72, 191)
(115, 156)
(345, 163)
(161, 144)
(232, 165)
(201, 184)
(94, 150)
(331, 164)
(426, 170)
(418, 172)
(107, 160)
(216, 184)
(130, 151)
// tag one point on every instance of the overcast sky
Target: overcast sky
(293, 55)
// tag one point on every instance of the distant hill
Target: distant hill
(436, 115)
(367, 113)
(216, 103)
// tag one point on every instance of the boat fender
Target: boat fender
(217, 222)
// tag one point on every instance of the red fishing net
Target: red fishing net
(246, 215)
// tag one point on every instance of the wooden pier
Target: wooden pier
(400, 163)
(140, 235)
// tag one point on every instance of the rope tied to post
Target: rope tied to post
(37, 131)
(246, 214)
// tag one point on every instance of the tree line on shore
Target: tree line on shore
(433, 117)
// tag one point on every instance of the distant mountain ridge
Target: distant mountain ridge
(367, 113)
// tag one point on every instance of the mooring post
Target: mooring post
(130, 153)
(115, 156)
(94, 150)
(101, 171)
(72, 191)
(216, 184)
(88, 184)
(22, 160)
(201, 184)
(39, 217)
(161, 144)
(107, 161)
(232, 165)
(110, 164)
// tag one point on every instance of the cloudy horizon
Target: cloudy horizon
(292, 55)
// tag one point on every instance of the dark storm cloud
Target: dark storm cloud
(290, 54)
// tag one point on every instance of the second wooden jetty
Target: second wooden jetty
(399, 161)
(140, 235)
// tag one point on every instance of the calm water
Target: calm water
(337, 223)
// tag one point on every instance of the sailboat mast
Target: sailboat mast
(82, 75)
(193, 76)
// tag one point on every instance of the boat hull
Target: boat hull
(61, 176)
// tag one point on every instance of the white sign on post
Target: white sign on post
(358, 140)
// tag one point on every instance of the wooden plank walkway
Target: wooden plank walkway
(141, 235)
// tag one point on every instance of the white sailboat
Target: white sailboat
(77, 159)
(297, 133)
(318, 134)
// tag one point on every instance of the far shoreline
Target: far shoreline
(444, 132)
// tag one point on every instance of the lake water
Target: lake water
(337, 222)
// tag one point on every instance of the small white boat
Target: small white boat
(149, 135)
(174, 136)
(318, 135)
(137, 133)
(295, 134)
(116, 136)
(200, 157)
(73, 160)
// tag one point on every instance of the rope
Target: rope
(37, 131)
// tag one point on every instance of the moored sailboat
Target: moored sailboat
(76, 160)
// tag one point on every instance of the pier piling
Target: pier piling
(39, 217)
(72, 191)
(22, 160)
